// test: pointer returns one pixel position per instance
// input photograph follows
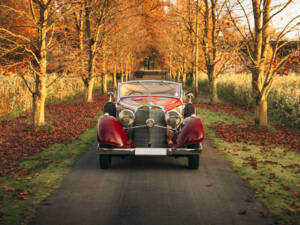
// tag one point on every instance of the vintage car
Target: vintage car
(149, 118)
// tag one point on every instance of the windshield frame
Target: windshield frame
(152, 81)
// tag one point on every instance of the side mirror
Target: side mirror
(111, 96)
(190, 96)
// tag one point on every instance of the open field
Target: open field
(16, 98)
(283, 100)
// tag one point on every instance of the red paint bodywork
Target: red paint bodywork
(110, 132)
(191, 132)
(168, 103)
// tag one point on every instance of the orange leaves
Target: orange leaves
(228, 24)
(10, 70)
(117, 29)
(17, 133)
(251, 160)
(247, 133)
(285, 187)
(5, 188)
(7, 73)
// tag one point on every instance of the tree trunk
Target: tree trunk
(104, 83)
(126, 72)
(261, 113)
(39, 98)
(104, 77)
(170, 73)
(213, 90)
(260, 104)
(196, 74)
(115, 76)
(183, 79)
(184, 72)
(212, 79)
(89, 86)
(40, 91)
(178, 76)
(122, 72)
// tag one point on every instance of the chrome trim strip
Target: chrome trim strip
(131, 151)
(141, 126)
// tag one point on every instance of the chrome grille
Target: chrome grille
(155, 136)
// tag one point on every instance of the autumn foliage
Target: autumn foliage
(18, 141)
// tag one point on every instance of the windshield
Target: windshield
(150, 88)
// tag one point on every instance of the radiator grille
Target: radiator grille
(154, 136)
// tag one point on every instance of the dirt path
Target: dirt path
(154, 191)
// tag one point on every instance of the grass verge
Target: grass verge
(271, 170)
(20, 196)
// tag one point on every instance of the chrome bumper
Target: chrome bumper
(149, 151)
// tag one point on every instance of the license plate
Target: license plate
(150, 151)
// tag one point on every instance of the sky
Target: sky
(284, 17)
(280, 20)
(287, 15)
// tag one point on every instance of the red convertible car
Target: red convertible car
(149, 118)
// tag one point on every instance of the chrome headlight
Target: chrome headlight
(126, 117)
(173, 118)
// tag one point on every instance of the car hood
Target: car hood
(168, 103)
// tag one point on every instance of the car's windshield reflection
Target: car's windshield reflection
(150, 88)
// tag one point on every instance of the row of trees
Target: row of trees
(92, 38)
(208, 35)
(87, 38)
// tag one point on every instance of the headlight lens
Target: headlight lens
(126, 117)
(173, 118)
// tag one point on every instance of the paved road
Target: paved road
(152, 191)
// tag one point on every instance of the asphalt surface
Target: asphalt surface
(152, 191)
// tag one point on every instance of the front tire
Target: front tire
(193, 160)
(105, 161)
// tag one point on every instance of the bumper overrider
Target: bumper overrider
(150, 151)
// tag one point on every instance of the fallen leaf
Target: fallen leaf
(264, 213)
(285, 187)
(4, 187)
(11, 189)
(291, 211)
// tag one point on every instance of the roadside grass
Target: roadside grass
(271, 170)
(283, 100)
(40, 175)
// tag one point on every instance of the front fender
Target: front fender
(191, 132)
(110, 132)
